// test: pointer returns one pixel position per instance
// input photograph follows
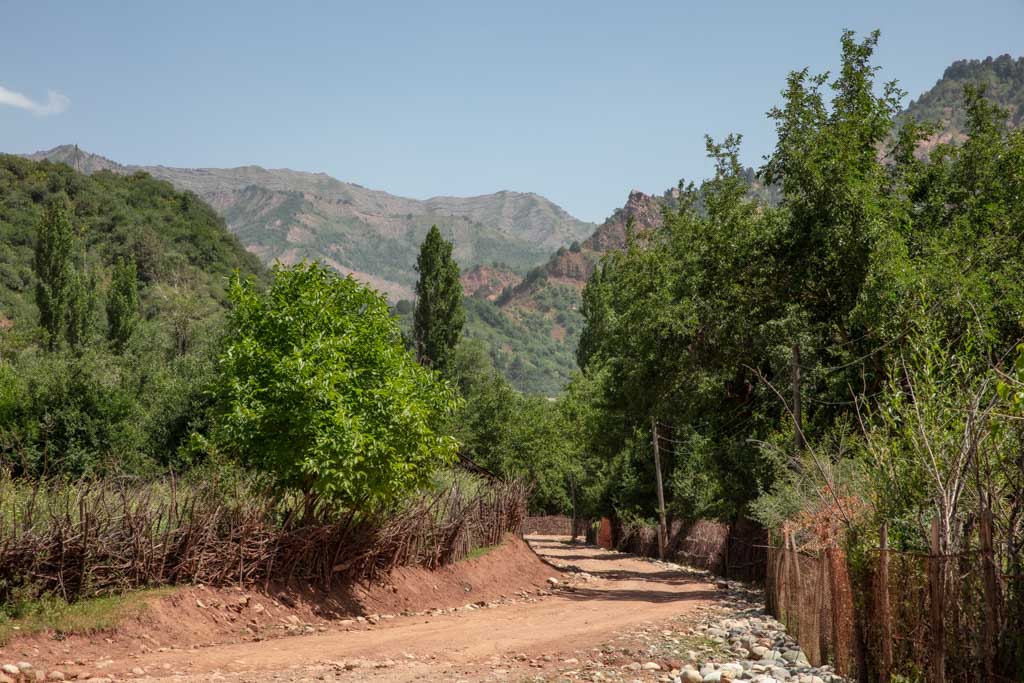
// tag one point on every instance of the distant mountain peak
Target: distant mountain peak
(77, 158)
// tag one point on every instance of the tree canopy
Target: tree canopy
(317, 389)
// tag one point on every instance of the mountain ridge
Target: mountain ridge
(287, 215)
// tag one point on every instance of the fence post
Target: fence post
(785, 602)
(799, 592)
(936, 610)
(784, 560)
(884, 612)
(841, 651)
(991, 593)
(819, 611)
(662, 531)
(769, 581)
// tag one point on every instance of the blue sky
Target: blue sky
(578, 101)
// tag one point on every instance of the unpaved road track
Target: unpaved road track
(467, 646)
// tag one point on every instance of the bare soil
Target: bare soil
(189, 635)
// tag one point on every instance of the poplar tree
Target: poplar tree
(122, 303)
(439, 317)
(53, 269)
(81, 308)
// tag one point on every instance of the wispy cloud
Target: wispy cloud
(55, 102)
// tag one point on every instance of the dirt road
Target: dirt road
(624, 591)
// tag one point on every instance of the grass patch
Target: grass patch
(93, 615)
(478, 552)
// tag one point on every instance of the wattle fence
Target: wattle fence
(904, 616)
(901, 616)
(87, 539)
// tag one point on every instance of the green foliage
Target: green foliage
(78, 408)
(93, 412)
(82, 308)
(172, 240)
(122, 303)
(511, 435)
(1012, 390)
(317, 389)
(694, 323)
(438, 318)
(53, 269)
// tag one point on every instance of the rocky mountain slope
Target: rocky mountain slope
(1003, 80)
(286, 215)
(533, 325)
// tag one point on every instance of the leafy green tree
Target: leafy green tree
(439, 317)
(513, 435)
(81, 309)
(317, 389)
(122, 303)
(53, 269)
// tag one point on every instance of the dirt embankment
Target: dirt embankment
(201, 616)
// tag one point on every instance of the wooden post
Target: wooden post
(769, 583)
(798, 426)
(661, 492)
(821, 613)
(936, 611)
(798, 584)
(790, 620)
(991, 593)
(838, 626)
(884, 611)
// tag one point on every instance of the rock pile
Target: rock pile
(761, 651)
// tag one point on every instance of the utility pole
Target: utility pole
(572, 490)
(798, 437)
(661, 492)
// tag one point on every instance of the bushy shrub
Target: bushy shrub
(317, 389)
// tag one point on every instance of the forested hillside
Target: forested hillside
(534, 324)
(174, 237)
(112, 291)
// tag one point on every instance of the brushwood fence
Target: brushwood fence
(903, 615)
(91, 539)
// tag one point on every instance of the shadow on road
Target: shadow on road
(638, 595)
(581, 558)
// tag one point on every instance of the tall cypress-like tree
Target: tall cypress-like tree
(438, 319)
(122, 303)
(81, 308)
(53, 269)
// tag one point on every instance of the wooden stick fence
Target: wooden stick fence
(938, 613)
(100, 538)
